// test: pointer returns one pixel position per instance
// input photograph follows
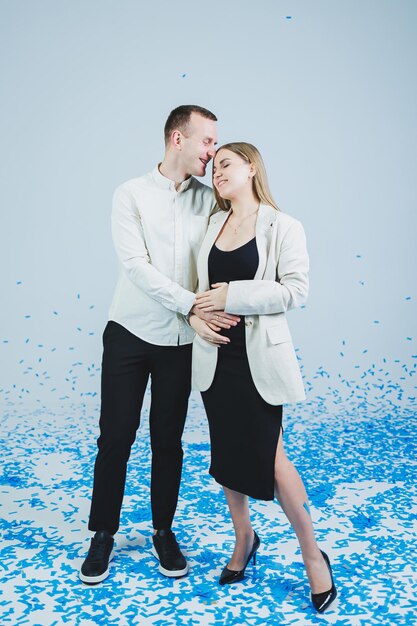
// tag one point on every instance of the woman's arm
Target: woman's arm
(262, 297)
(290, 290)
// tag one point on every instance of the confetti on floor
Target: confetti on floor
(359, 468)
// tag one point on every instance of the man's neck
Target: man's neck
(171, 169)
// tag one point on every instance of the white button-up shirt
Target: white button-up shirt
(157, 232)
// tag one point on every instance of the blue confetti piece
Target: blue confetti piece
(288, 17)
(183, 75)
(376, 321)
(19, 282)
(409, 338)
(408, 298)
(27, 317)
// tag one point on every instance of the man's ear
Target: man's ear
(176, 140)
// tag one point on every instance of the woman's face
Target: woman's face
(232, 175)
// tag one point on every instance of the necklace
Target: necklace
(236, 228)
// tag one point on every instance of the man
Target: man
(158, 223)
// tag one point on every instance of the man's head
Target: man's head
(191, 133)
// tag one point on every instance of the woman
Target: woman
(254, 258)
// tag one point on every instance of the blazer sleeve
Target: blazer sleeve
(129, 241)
(289, 290)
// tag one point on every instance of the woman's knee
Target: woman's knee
(283, 468)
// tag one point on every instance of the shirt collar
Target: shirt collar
(165, 183)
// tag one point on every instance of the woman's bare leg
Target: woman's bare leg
(292, 496)
(239, 510)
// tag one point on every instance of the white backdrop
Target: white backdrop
(326, 90)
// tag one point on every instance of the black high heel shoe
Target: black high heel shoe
(229, 576)
(322, 601)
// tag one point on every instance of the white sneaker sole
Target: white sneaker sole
(94, 580)
(176, 573)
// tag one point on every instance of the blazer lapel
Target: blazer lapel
(215, 226)
(264, 227)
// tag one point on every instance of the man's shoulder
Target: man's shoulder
(135, 184)
(197, 184)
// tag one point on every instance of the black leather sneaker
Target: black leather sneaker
(165, 548)
(96, 566)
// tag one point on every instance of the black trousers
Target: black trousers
(127, 364)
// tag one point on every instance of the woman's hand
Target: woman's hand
(203, 329)
(213, 300)
(216, 319)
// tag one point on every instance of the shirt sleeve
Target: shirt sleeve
(289, 290)
(130, 245)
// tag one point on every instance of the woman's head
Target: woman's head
(238, 170)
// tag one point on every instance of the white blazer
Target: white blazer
(280, 284)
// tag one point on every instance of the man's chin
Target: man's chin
(201, 170)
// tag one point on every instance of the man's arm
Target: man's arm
(129, 241)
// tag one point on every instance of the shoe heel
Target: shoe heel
(254, 559)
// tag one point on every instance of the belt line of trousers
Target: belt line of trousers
(128, 361)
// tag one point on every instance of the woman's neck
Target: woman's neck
(242, 207)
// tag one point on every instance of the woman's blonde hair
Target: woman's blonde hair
(250, 154)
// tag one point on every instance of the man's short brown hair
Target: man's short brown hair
(179, 118)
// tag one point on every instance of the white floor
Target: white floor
(360, 475)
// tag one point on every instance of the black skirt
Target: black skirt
(244, 428)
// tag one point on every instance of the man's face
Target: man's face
(198, 145)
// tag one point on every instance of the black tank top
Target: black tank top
(225, 266)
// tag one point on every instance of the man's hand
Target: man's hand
(203, 329)
(214, 299)
(216, 319)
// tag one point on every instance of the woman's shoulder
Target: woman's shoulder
(273, 215)
(218, 215)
